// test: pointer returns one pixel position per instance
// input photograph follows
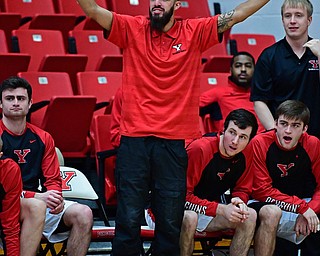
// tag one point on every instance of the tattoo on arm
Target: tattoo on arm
(224, 21)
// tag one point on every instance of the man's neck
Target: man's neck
(16, 126)
(297, 45)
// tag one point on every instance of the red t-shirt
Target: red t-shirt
(161, 75)
(10, 191)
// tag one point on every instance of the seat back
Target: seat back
(105, 158)
(209, 80)
(252, 43)
(39, 43)
(102, 85)
(3, 42)
(68, 120)
(12, 63)
(94, 45)
(9, 22)
(193, 9)
(129, 7)
(29, 8)
(72, 7)
(217, 64)
(45, 85)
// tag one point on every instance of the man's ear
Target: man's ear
(177, 5)
(305, 128)
(30, 103)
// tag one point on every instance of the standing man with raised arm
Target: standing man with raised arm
(161, 83)
(289, 69)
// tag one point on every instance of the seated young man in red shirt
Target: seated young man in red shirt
(286, 168)
(10, 192)
(217, 164)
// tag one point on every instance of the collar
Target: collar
(172, 32)
(289, 52)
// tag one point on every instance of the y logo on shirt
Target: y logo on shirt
(285, 168)
(21, 155)
(221, 174)
(314, 64)
(178, 48)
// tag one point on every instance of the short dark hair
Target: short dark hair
(243, 119)
(294, 110)
(15, 82)
(242, 53)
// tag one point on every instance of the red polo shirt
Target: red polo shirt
(161, 75)
(229, 97)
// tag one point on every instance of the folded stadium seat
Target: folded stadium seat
(9, 22)
(218, 49)
(217, 64)
(105, 159)
(193, 9)
(48, 53)
(102, 85)
(11, 63)
(252, 43)
(40, 14)
(110, 63)
(130, 7)
(68, 120)
(93, 44)
(72, 7)
(211, 116)
(45, 85)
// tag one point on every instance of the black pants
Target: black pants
(156, 165)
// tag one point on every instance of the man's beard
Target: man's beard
(158, 23)
(243, 84)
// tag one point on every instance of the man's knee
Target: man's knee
(270, 215)
(78, 214)
(33, 208)
(190, 220)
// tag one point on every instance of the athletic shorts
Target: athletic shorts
(52, 223)
(203, 221)
(287, 224)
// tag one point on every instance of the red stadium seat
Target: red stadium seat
(13, 63)
(217, 64)
(45, 85)
(94, 45)
(102, 85)
(9, 22)
(105, 158)
(68, 120)
(48, 53)
(130, 7)
(252, 43)
(193, 9)
(209, 80)
(72, 7)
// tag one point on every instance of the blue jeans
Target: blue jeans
(143, 165)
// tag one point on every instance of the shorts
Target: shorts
(287, 224)
(52, 222)
(203, 221)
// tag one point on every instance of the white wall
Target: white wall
(268, 19)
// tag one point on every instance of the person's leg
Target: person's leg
(243, 235)
(169, 163)
(132, 181)
(265, 237)
(32, 217)
(79, 219)
(189, 225)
